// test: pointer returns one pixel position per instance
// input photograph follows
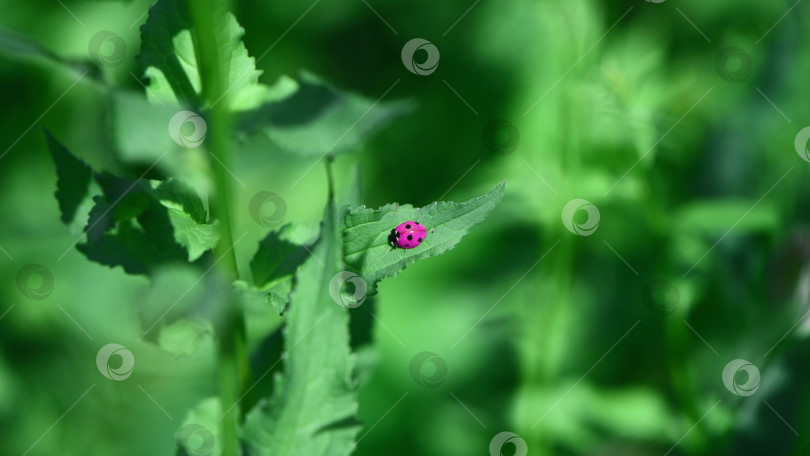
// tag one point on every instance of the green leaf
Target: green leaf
(187, 216)
(167, 54)
(312, 411)
(280, 253)
(134, 224)
(319, 118)
(128, 227)
(195, 237)
(253, 96)
(255, 300)
(99, 220)
(174, 194)
(127, 246)
(366, 233)
(73, 179)
(169, 60)
(306, 117)
(125, 202)
(279, 295)
(275, 296)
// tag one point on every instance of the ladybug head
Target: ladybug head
(392, 239)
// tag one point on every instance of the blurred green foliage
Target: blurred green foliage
(613, 343)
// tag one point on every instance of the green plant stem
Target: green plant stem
(208, 18)
(330, 178)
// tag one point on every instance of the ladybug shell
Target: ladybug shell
(407, 235)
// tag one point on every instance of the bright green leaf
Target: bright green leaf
(366, 233)
(170, 61)
(188, 217)
(313, 409)
(167, 54)
(256, 301)
(197, 238)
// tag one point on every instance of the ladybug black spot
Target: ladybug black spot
(407, 245)
(410, 238)
(420, 239)
(407, 227)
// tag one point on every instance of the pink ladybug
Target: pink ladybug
(407, 235)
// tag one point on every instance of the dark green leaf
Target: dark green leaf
(74, 176)
(280, 253)
(135, 224)
(167, 54)
(127, 246)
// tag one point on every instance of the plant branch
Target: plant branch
(208, 23)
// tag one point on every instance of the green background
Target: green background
(563, 352)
